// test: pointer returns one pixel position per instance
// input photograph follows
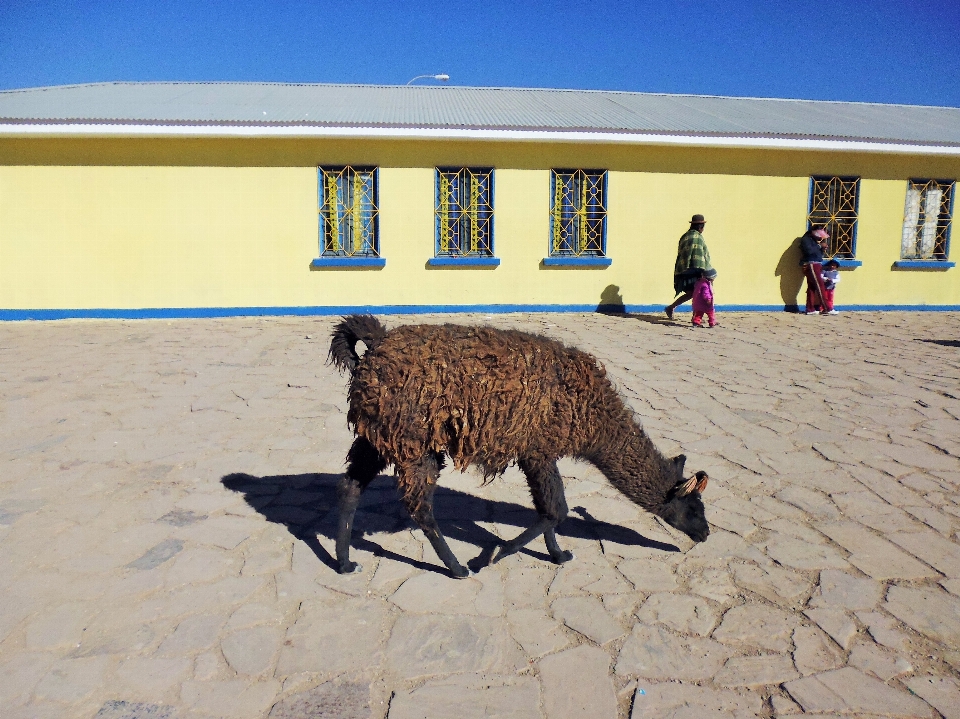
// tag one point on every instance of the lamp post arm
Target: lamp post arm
(441, 77)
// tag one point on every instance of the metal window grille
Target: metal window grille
(834, 202)
(348, 212)
(927, 219)
(464, 208)
(578, 213)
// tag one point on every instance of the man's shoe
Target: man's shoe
(813, 312)
(832, 312)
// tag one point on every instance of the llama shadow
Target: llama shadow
(944, 343)
(306, 504)
(791, 276)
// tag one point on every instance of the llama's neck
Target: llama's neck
(630, 461)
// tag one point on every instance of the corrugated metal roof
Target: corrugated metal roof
(276, 104)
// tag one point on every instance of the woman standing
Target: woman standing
(812, 245)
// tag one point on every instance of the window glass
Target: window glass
(927, 220)
(348, 212)
(578, 213)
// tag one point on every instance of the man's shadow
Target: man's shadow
(791, 276)
(306, 504)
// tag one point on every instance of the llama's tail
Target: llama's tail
(349, 331)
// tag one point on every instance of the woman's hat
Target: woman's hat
(821, 233)
(697, 220)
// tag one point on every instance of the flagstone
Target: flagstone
(681, 613)
(577, 684)
(840, 589)
(757, 625)
(933, 613)
(588, 616)
(425, 645)
(943, 693)
(882, 664)
(655, 653)
(780, 586)
(814, 652)
(671, 700)
(850, 691)
(872, 555)
(471, 696)
(752, 671)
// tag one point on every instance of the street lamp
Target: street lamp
(441, 78)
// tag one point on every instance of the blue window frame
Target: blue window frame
(464, 212)
(927, 220)
(578, 213)
(349, 217)
(835, 204)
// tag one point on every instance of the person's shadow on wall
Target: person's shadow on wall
(611, 301)
(791, 276)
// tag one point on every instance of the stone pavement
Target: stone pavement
(166, 513)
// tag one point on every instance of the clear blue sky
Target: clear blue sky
(881, 51)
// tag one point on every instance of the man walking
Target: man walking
(693, 261)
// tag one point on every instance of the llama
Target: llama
(491, 397)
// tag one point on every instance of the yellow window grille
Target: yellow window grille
(464, 210)
(578, 213)
(348, 212)
(834, 203)
(927, 219)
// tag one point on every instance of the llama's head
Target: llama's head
(682, 508)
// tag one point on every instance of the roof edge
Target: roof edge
(212, 130)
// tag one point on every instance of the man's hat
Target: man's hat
(697, 220)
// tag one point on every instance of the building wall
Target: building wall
(121, 224)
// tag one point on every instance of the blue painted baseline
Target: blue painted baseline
(7, 315)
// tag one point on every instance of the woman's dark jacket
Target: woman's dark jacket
(810, 250)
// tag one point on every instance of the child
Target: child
(831, 276)
(703, 301)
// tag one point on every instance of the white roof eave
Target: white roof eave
(185, 130)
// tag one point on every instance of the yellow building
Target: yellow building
(206, 199)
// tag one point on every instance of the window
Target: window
(578, 213)
(348, 212)
(926, 220)
(464, 210)
(834, 202)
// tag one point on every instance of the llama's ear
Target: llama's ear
(702, 479)
(685, 487)
(679, 461)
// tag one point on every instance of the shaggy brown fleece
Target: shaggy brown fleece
(489, 397)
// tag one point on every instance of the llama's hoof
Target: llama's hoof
(351, 568)
(563, 557)
(500, 554)
(461, 573)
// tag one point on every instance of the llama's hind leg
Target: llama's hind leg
(364, 463)
(546, 488)
(418, 483)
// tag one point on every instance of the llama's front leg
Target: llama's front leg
(363, 464)
(546, 488)
(417, 484)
